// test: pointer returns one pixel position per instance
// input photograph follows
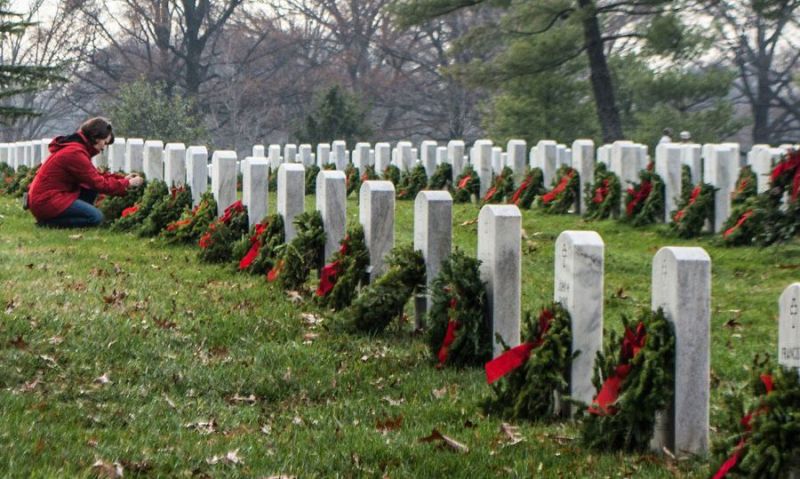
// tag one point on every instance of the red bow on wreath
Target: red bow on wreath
(601, 192)
(252, 254)
(464, 182)
(632, 343)
(449, 335)
(331, 271)
(562, 185)
(790, 165)
(738, 224)
(639, 195)
(517, 194)
(517, 356)
(236, 207)
(695, 193)
(746, 421)
(130, 210)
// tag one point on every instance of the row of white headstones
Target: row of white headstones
(717, 164)
(681, 276)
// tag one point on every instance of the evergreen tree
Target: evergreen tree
(19, 79)
(337, 116)
(142, 109)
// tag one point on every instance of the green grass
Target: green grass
(182, 342)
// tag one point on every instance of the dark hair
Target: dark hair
(98, 128)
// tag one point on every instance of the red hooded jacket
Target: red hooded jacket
(59, 180)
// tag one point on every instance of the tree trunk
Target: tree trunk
(603, 88)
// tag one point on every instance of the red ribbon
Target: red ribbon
(738, 224)
(790, 165)
(328, 277)
(562, 185)
(255, 242)
(275, 271)
(695, 193)
(490, 193)
(449, 336)
(236, 207)
(464, 182)
(130, 210)
(517, 356)
(632, 344)
(601, 192)
(638, 196)
(746, 421)
(517, 194)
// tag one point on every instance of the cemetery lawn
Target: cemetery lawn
(116, 349)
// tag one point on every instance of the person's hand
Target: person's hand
(135, 181)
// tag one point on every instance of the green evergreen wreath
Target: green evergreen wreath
(442, 177)
(644, 201)
(530, 391)
(311, 179)
(566, 188)
(166, 210)
(384, 299)
(192, 223)
(392, 173)
(216, 243)
(258, 252)
(304, 253)
(501, 189)
(134, 216)
(694, 211)
(686, 184)
(352, 179)
(13, 185)
(459, 332)
(761, 428)
(602, 198)
(26, 180)
(467, 184)
(113, 206)
(347, 270)
(746, 186)
(531, 187)
(412, 183)
(6, 176)
(647, 352)
(272, 179)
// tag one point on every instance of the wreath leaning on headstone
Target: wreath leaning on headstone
(258, 252)
(216, 243)
(531, 187)
(501, 189)
(603, 196)
(302, 254)
(384, 299)
(341, 278)
(166, 210)
(192, 223)
(412, 182)
(746, 186)
(692, 214)
(635, 379)
(311, 179)
(442, 178)
(534, 375)
(352, 180)
(391, 173)
(566, 188)
(467, 184)
(113, 206)
(133, 216)
(459, 332)
(644, 201)
(760, 433)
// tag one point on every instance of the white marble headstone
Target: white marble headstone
(376, 215)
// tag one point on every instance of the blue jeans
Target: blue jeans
(80, 214)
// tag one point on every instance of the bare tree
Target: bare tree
(759, 37)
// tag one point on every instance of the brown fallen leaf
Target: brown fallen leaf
(30, 386)
(440, 393)
(55, 340)
(164, 323)
(469, 222)
(393, 402)
(236, 399)
(311, 319)
(732, 324)
(310, 337)
(511, 433)
(294, 296)
(389, 423)
(449, 442)
(231, 457)
(115, 298)
(137, 467)
(19, 343)
(10, 306)
(75, 237)
(107, 470)
(621, 294)
(104, 379)
(203, 427)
